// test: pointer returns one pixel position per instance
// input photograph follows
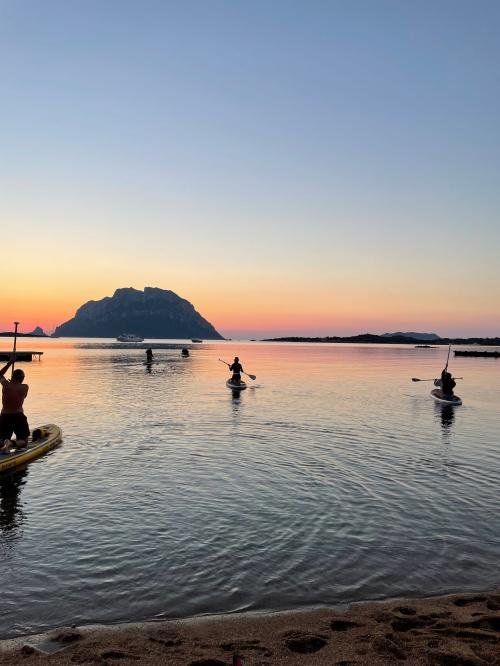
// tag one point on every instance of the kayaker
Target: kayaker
(12, 417)
(447, 383)
(185, 352)
(236, 368)
(149, 354)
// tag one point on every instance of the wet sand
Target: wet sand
(456, 630)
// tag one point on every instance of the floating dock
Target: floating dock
(488, 354)
(20, 355)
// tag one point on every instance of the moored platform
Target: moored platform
(21, 355)
(490, 354)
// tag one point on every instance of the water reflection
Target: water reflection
(447, 418)
(154, 461)
(236, 396)
(11, 513)
(445, 415)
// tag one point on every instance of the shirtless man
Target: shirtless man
(12, 417)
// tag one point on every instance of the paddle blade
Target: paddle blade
(253, 376)
(415, 379)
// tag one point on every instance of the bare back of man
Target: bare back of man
(12, 417)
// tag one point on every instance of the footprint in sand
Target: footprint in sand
(239, 646)
(405, 610)
(118, 654)
(343, 625)
(493, 603)
(466, 601)
(165, 643)
(302, 643)
(491, 623)
(414, 622)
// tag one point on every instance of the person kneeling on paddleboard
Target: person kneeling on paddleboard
(236, 368)
(12, 417)
(447, 383)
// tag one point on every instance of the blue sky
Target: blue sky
(326, 148)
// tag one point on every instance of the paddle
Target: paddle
(416, 379)
(245, 373)
(448, 357)
(16, 324)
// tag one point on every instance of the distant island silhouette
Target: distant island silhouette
(37, 332)
(391, 339)
(152, 313)
(414, 336)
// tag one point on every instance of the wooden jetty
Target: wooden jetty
(20, 355)
(488, 354)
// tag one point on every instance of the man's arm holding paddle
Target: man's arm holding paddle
(4, 381)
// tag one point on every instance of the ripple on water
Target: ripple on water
(335, 479)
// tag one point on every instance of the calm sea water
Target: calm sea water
(333, 478)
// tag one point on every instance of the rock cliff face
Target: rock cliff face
(152, 313)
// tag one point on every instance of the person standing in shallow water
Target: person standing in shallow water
(236, 368)
(149, 355)
(12, 417)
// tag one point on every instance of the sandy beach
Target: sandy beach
(455, 630)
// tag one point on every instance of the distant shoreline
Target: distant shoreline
(10, 334)
(391, 340)
(364, 338)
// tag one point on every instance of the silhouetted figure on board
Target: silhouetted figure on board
(447, 383)
(236, 368)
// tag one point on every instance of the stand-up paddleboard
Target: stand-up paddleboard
(236, 387)
(44, 439)
(439, 396)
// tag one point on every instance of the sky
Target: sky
(290, 168)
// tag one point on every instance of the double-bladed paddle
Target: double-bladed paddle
(245, 373)
(416, 379)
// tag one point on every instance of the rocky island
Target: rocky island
(152, 313)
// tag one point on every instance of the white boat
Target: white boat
(129, 337)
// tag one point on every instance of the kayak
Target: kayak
(236, 387)
(44, 439)
(439, 396)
